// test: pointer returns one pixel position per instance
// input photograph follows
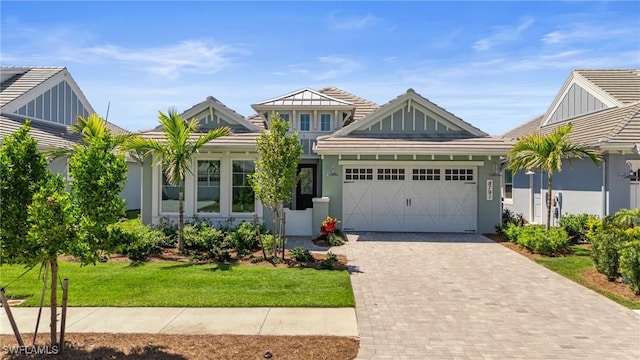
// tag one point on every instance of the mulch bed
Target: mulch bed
(590, 275)
(175, 347)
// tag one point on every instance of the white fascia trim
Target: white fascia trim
(187, 115)
(408, 163)
(377, 151)
(263, 103)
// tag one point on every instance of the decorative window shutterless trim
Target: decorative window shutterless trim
(358, 174)
(458, 174)
(426, 174)
(390, 174)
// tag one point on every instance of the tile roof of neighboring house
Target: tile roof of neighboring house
(621, 84)
(241, 140)
(525, 129)
(363, 145)
(47, 135)
(258, 120)
(24, 80)
(364, 107)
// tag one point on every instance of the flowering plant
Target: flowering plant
(328, 227)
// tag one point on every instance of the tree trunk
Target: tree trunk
(181, 217)
(549, 200)
(282, 230)
(54, 301)
(274, 220)
(255, 223)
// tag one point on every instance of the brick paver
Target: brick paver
(462, 296)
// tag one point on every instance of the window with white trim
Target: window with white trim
(426, 174)
(507, 188)
(243, 198)
(305, 122)
(458, 174)
(390, 174)
(170, 195)
(358, 174)
(208, 186)
(325, 122)
(284, 117)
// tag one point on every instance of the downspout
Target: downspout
(604, 188)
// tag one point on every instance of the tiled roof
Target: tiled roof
(258, 120)
(621, 84)
(525, 129)
(242, 140)
(364, 107)
(47, 135)
(362, 145)
(22, 82)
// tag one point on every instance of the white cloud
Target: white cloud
(581, 32)
(503, 35)
(170, 61)
(337, 21)
(327, 68)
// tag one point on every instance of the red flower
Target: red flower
(328, 227)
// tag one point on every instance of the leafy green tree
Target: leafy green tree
(546, 152)
(174, 153)
(22, 170)
(276, 168)
(99, 173)
(52, 230)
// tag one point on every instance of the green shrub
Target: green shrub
(630, 264)
(511, 231)
(203, 237)
(170, 230)
(301, 254)
(244, 239)
(135, 240)
(538, 240)
(269, 243)
(576, 225)
(335, 240)
(329, 262)
(508, 217)
(605, 250)
(594, 225)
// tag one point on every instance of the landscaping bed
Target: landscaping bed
(163, 346)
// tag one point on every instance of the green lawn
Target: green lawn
(189, 285)
(571, 266)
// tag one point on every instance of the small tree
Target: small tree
(22, 170)
(51, 232)
(175, 153)
(545, 153)
(276, 168)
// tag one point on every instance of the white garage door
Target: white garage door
(419, 199)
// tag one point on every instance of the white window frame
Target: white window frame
(300, 121)
(505, 199)
(255, 199)
(196, 186)
(329, 125)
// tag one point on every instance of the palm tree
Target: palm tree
(545, 153)
(174, 154)
(90, 128)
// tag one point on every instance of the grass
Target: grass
(188, 285)
(571, 267)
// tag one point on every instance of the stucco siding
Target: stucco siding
(619, 186)
(59, 166)
(488, 210)
(132, 189)
(332, 185)
(146, 191)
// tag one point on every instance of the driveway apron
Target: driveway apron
(462, 296)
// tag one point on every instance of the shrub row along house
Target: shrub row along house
(604, 108)
(52, 100)
(408, 165)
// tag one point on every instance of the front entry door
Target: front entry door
(306, 188)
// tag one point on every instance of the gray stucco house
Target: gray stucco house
(52, 100)
(408, 165)
(604, 108)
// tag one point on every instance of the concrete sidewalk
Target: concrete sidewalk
(168, 320)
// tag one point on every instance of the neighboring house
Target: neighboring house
(604, 108)
(406, 166)
(52, 100)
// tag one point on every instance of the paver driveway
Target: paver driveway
(462, 296)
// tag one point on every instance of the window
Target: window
(358, 174)
(507, 191)
(243, 199)
(390, 174)
(305, 122)
(284, 117)
(208, 186)
(325, 122)
(426, 174)
(170, 195)
(458, 174)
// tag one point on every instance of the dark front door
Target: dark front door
(306, 188)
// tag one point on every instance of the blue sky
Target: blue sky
(494, 64)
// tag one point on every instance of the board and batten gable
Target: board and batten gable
(212, 114)
(576, 102)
